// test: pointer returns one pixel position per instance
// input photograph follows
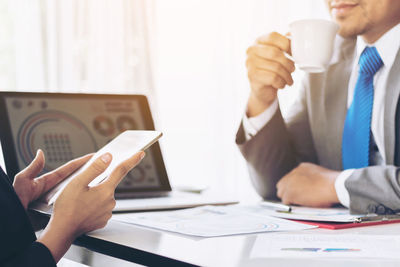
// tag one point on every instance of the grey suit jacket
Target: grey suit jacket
(312, 132)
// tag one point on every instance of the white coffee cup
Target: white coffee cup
(312, 43)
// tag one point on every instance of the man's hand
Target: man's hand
(268, 70)
(309, 185)
(29, 187)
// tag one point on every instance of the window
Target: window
(187, 55)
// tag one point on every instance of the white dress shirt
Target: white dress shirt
(387, 46)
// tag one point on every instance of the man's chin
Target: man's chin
(348, 33)
(349, 27)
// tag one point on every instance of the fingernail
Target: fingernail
(142, 155)
(106, 158)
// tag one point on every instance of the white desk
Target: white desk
(156, 248)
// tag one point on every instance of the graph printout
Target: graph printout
(210, 221)
(311, 245)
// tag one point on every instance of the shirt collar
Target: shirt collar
(387, 46)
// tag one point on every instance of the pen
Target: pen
(377, 218)
(276, 206)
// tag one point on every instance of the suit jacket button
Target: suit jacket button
(381, 210)
(371, 208)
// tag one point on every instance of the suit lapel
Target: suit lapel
(391, 100)
(336, 102)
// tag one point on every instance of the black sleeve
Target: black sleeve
(18, 244)
(36, 254)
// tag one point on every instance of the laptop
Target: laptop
(66, 126)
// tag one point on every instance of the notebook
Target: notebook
(67, 126)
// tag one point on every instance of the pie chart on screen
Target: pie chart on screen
(61, 136)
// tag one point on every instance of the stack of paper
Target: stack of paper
(308, 214)
(329, 218)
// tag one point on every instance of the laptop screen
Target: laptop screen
(66, 126)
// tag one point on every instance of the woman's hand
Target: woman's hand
(80, 208)
(29, 187)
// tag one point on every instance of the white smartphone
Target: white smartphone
(121, 148)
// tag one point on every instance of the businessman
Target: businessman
(78, 209)
(340, 142)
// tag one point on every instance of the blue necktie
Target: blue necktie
(357, 126)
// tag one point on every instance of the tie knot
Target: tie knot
(370, 61)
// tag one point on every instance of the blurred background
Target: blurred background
(187, 56)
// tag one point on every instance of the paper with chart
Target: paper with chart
(309, 214)
(326, 246)
(210, 221)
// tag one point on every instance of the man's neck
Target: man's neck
(374, 35)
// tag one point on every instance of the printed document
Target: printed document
(211, 221)
(326, 246)
(309, 214)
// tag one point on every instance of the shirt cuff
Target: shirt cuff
(341, 191)
(252, 125)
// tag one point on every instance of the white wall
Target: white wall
(201, 81)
